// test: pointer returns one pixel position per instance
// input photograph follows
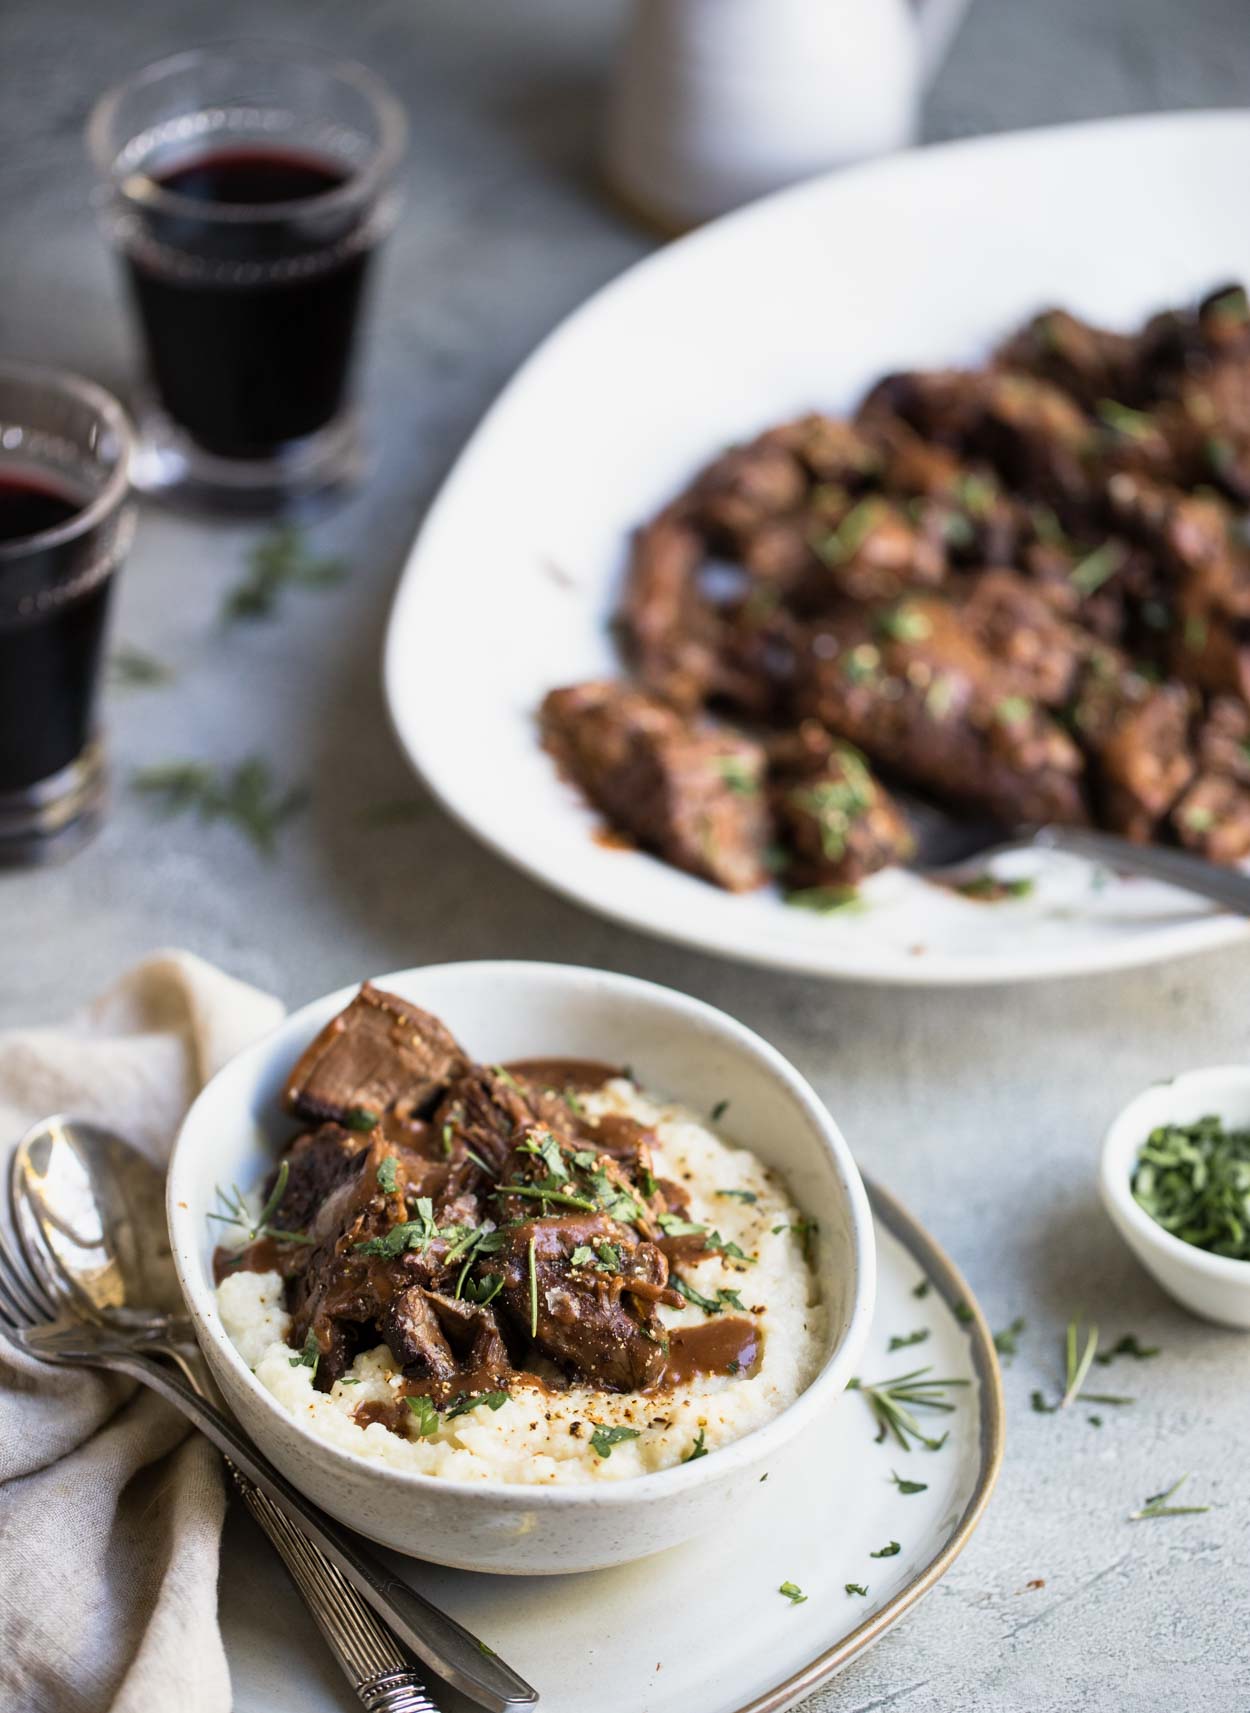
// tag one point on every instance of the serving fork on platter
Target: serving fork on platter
(45, 1312)
(952, 848)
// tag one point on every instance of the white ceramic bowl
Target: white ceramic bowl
(1215, 1287)
(679, 1047)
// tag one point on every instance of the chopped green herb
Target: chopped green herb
(582, 1256)
(386, 1174)
(847, 539)
(672, 1225)
(547, 1149)
(908, 1486)
(484, 1290)
(426, 1415)
(1038, 1402)
(247, 796)
(825, 900)
(1194, 1181)
(747, 1196)
(708, 1304)
(730, 1299)
(900, 1341)
(719, 1111)
(1095, 1421)
(609, 1256)
(604, 1438)
(350, 1380)
(533, 1291)
(1132, 424)
(281, 560)
(891, 1551)
(539, 1192)
(698, 1449)
(309, 1356)
(739, 774)
(1195, 633)
(963, 1314)
(793, 1593)
(905, 623)
(1157, 1506)
(1006, 1342)
(856, 1588)
(1012, 710)
(492, 1400)
(132, 669)
(989, 887)
(922, 1289)
(446, 1140)
(1127, 1346)
(361, 1118)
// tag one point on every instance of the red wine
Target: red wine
(30, 504)
(250, 324)
(49, 662)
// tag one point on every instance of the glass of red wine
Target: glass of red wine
(65, 526)
(246, 190)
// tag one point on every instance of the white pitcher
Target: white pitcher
(719, 101)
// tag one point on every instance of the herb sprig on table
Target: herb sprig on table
(247, 795)
(281, 560)
(1157, 1506)
(1080, 1347)
(894, 1403)
(131, 669)
(1194, 1181)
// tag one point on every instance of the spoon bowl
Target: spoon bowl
(88, 1205)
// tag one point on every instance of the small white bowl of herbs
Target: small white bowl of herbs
(1176, 1183)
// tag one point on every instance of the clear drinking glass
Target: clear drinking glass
(246, 189)
(65, 526)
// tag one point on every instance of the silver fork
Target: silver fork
(32, 1321)
(949, 846)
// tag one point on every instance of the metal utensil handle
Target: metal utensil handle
(1227, 887)
(435, 1637)
(373, 1665)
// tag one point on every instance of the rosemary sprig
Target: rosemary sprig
(533, 1292)
(247, 795)
(1078, 1359)
(237, 1213)
(281, 560)
(894, 1402)
(1157, 1506)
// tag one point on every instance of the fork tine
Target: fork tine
(35, 1270)
(16, 1289)
(13, 1316)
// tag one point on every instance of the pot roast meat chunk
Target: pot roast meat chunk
(380, 1055)
(830, 449)
(318, 1161)
(1038, 440)
(875, 552)
(836, 822)
(942, 405)
(596, 1318)
(912, 687)
(444, 1339)
(1213, 818)
(688, 790)
(1224, 739)
(484, 1112)
(1137, 737)
(745, 488)
(1014, 622)
(1086, 361)
(669, 630)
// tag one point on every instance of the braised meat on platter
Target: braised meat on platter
(1022, 590)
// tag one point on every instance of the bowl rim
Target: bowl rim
(198, 1293)
(1125, 1135)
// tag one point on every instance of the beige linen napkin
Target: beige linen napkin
(110, 1515)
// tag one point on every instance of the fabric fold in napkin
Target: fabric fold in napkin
(110, 1509)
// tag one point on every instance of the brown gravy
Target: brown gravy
(393, 1413)
(730, 1344)
(581, 1075)
(262, 1256)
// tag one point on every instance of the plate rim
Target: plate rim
(951, 1286)
(830, 962)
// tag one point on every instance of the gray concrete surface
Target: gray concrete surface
(981, 1110)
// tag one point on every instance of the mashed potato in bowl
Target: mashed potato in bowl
(757, 1279)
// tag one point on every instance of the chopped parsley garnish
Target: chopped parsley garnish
(900, 1341)
(1127, 1346)
(1157, 1506)
(361, 1118)
(739, 774)
(963, 1314)
(492, 1400)
(847, 539)
(1006, 1342)
(415, 1233)
(687, 1290)
(133, 669)
(484, 1290)
(309, 1356)
(547, 1149)
(697, 1450)
(1013, 710)
(716, 1243)
(905, 624)
(731, 1299)
(1194, 1181)
(922, 1289)
(386, 1174)
(747, 1196)
(719, 1111)
(280, 560)
(582, 1256)
(989, 887)
(908, 1486)
(426, 1415)
(891, 1551)
(604, 1438)
(793, 1593)
(672, 1225)
(825, 900)
(609, 1256)
(1090, 573)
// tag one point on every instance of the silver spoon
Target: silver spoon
(89, 1211)
(948, 844)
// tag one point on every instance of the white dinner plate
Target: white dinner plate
(797, 303)
(703, 1628)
